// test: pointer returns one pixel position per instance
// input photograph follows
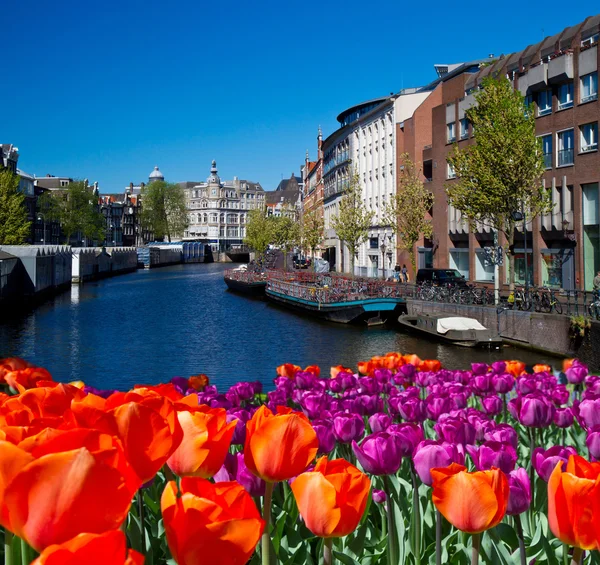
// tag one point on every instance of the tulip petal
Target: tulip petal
(316, 498)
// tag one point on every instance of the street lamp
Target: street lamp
(383, 247)
(41, 217)
(517, 217)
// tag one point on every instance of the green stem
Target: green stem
(438, 537)
(519, 528)
(140, 502)
(576, 559)
(266, 539)
(8, 553)
(475, 550)
(531, 478)
(26, 557)
(327, 551)
(565, 554)
(504, 409)
(391, 521)
(417, 515)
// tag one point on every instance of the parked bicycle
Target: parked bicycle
(594, 306)
(545, 300)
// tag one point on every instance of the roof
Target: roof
(274, 197)
(377, 101)
(283, 185)
(4, 256)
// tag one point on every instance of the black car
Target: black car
(440, 277)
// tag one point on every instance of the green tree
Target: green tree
(14, 226)
(502, 172)
(353, 221)
(312, 230)
(164, 209)
(258, 231)
(285, 232)
(78, 212)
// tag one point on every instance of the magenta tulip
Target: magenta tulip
(532, 410)
(431, 454)
(410, 436)
(544, 461)
(493, 454)
(519, 497)
(379, 454)
(348, 427)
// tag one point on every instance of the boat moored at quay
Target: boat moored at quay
(246, 281)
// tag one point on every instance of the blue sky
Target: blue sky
(106, 90)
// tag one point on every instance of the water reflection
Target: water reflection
(151, 325)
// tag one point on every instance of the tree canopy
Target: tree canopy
(502, 172)
(312, 229)
(78, 212)
(164, 209)
(258, 231)
(406, 213)
(352, 222)
(14, 225)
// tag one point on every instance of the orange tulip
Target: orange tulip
(314, 369)
(210, 523)
(567, 364)
(574, 503)
(392, 361)
(199, 382)
(332, 498)
(541, 368)
(206, 440)
(109, 548)
(515, 368)
(412, 360)
(471, 502)
(51, 499)
(368, 368)
(430, 365)
(23, 379)
(279, 447)
(288, 370)
(335, 371)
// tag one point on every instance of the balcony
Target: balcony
(560, 69)
(537, 77)
(565, 157)
(548, 160)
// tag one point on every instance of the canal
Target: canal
(151, 325)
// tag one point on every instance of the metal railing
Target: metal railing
(565, 157)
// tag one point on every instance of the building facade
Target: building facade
(559, 77)
(218, 210)
(313, 189)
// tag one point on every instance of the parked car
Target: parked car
(440, 277)
(301, 263)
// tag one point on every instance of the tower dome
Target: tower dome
(214, 177)
(156, 175)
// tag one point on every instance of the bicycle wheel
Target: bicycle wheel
(557, 306)
(545, 303)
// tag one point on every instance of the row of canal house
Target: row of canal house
(559, 77)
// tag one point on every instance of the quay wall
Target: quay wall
(548, 333)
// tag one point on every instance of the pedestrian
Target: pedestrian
(597, 282)
(404, 273)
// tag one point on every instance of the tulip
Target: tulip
(234, 469)
(503, 433)
(559, 395)
(379, 496)
(240, 416)
(563, 417)
(456, 430)
(348, 427)
(410, 436)
(593, 442)
(482, 384)
(325, 436)
(532, 410)
(471, 502)
(503, 383)
(493, 454)
(411, 409)
(479, 368)
(432, 365)
(210, 523)
(436, 405)
(515, 368)
(206, 440)
(519, 497)
(576, 373)
(109, 548)
(332, 498)
(589, 412)
(498, 367)
(295, 440)
(544, 461)
(430, 454)
(491, 405)
(379, 454)
(574, 503)
(379, 421)
(288, 370)
(542, 368)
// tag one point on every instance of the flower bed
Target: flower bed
(399, 462)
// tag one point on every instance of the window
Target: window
(373, 243)
(565, 96)
(451, 132)
(544, 102)
(451, 171)
(464, 128)
(459, 260)
(547, 150)
(589, 87)
(528, 101)
(565, 147)
(589, 41)
(589, 137)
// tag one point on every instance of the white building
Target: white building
(218, 210)
(366, 144)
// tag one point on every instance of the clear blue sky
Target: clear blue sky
(106, 90)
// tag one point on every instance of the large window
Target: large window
(459, 260)
(451, 172)
(451, 132)
(565, 147)
(547, 150)
(464, 128)
(589, 137)
(484, 270)
(565, 96)
(545, 102)
(589, 87)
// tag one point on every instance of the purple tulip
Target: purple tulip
(498, 367)
(410, 436)
(436, 405)
(527, 384)
(234, 469)
(431, 454)
(407, 371)
(589, 412)
(544, 461)
(576, 373)
(366, 404)
(348, 427)
(456, 430)
(503, 433)
(411, 409)
(315, 404)
(304, 381)
(181, 384)
(98, 391)
(503, 383)
(324, 431)
(379, 421)
(379, 496)
(532, 410)
(379, 454)
(479, 368)
(593, 442)
(241, 416)
(492, 405)
(563, 417)
(559, 394)
(482, 384)
(368, 385)
(493, 454)
(519, 497)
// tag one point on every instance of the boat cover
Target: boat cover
(456, 323)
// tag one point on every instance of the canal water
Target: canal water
(151, 325)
